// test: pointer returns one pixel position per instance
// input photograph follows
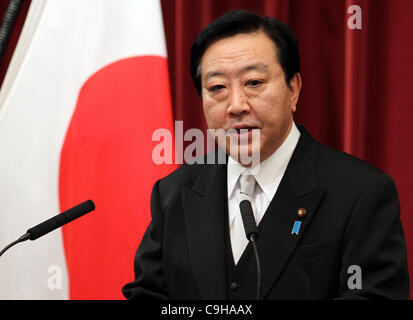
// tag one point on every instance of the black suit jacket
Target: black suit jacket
(353, 218)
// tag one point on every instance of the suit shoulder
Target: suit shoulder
(185, 175)
(347, 178)
(346, 167)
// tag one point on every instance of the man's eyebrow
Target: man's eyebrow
(257, 66)
(212, 74)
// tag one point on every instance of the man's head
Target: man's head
(246, 69)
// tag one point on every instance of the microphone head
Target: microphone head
(89, 205)
(248, 219)
(61, 219)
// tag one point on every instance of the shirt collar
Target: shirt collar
(271, 169)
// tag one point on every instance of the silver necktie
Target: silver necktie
(237, 232)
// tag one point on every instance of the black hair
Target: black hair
(242, 21)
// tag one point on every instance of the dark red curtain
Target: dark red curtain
(356, 83)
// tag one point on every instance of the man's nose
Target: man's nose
(238, 103)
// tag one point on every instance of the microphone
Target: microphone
(53, 223)
(251, 233)
(248, 220)
(61, 219)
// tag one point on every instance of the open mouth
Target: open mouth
(243, 130)
(243, 133)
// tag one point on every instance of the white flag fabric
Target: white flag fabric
(86, 87)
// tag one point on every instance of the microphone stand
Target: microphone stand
(21, 239)
(251, 232)
(257, 259)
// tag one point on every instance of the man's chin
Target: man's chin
(245, 155)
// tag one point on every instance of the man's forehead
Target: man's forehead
(238, 51)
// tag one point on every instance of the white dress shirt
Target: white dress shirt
(268, 177)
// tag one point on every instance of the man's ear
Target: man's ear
(295, 87)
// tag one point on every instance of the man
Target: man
(328, 223)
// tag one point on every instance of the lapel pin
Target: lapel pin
(301, 212)
(296, 227)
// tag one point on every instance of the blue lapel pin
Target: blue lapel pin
(296, 227)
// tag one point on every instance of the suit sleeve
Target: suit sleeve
(375, 242)
(149, 281)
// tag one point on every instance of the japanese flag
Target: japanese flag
(87, 87)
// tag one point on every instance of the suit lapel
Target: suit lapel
(298, 189)
(205, 207)
(276, 240)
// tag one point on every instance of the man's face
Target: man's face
(243, 86)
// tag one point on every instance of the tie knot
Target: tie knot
(247, 184)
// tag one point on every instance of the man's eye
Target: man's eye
(254, 83)
(216, 88)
